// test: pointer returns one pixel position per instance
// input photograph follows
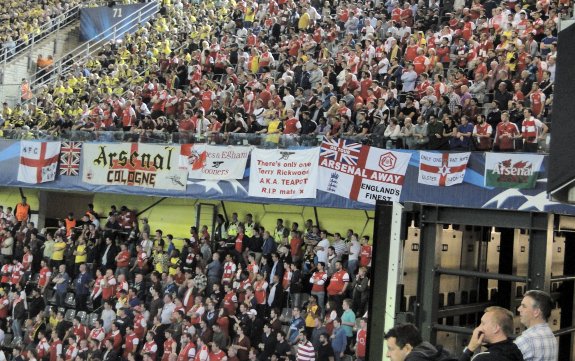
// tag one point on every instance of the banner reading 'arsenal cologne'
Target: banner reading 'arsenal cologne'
(133, 164)
(361, 173)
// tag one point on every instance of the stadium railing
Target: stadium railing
(267, 141)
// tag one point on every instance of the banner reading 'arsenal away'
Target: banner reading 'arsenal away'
(362, 173)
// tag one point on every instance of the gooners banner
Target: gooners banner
(362, 173)
(442, 169)
(38, 161)
(507, 170)
(214, 162)
(282, 173)
(133, 164)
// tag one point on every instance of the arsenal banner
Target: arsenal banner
(283, 173)
(133, 164)
(38, 161)
(362, 173)
(509, 170)
(214, 162)
(442, 169)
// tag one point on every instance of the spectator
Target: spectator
(538, 341)
(404, 343)
(495, 331)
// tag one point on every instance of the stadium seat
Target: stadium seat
(47, 311)
(70, 300)
(83, 316)
(69, 315)
(62, 310)
(52, 299)
(92, 319)
(285, 329)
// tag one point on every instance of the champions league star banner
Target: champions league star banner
(442, 169)
(508, 170)
(133, 164)
(284, 173)
(362, 173)
(214, 162)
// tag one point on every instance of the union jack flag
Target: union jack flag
(341, 150)
(70, 158)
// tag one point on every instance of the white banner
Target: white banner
(442, 169)
(284, 173)
(38, 161)
(133, 164)
(361, 173)
(214, 162)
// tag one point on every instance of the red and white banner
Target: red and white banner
(361, 173)
(442, 169)
(38, 161)
(214, 162)
(284, 174)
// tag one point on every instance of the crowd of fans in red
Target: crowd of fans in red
(116, 290)
(393, 74)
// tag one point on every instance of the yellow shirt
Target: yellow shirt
(58, 254)
(309, 319)
(80, 258)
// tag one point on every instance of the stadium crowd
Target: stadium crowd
(110, 288)
(21, 21)
(392, 74)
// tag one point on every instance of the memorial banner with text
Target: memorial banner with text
(362, 173)
(284, 174)
(133, 164)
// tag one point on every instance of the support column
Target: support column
(540, 256)
(567, 299)
(504, 292)
(428, 281)
(386, 260)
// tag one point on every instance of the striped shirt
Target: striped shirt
(538, 343)
(305, 352)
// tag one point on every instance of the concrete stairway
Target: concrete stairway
(24, 65)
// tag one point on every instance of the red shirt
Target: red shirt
(131, 343)
(337, 282)
(239, 243)
(361, 343)
(188, 352)
(168, 344)
(365, 256)
(45, 274)
(260, 293)
(55, 346)
(123, 259)
(150, 348)
(319, 279)
(81, 332)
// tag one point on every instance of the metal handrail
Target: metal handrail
(85, 50)
(46, 30)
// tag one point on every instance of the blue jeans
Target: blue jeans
(17, 328)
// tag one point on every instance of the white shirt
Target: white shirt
(322, 254)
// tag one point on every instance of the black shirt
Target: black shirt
(324, 352)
